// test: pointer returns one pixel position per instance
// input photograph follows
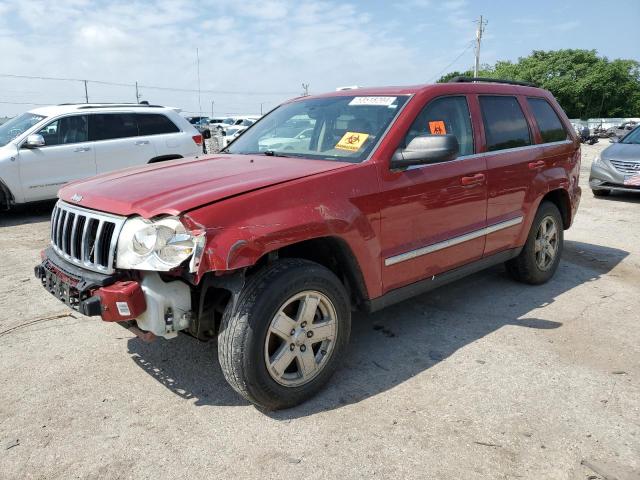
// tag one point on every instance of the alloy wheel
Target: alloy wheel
(301, 338)
(546, 244)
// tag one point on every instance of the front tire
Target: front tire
(540, 256)
(286, 334)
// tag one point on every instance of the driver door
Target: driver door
(67, 155)
(433, 215)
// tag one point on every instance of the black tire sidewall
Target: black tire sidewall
(296, 279)
(541, 276)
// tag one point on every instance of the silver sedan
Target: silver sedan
(617, 168)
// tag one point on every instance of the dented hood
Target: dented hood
(176, 186)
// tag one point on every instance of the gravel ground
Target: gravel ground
(484, 378)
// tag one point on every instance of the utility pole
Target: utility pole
(198, 62)
(137, 93)
(305, 89)
(86, 92)
(212, 109)
(481, 24)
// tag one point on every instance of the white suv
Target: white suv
(45, 148)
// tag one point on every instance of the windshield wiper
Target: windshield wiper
(272, 153)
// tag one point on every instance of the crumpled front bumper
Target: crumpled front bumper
(157, 306)
(114, 298)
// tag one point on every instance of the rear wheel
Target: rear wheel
(286, 334)
(601, 193)
(540, 255)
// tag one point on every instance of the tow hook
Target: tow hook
(143, 335)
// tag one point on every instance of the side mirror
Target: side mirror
(426, 149)
(614, 139)
(206, 133)
(34, 140)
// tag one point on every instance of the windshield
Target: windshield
(17, 126)
(344, 128)
(632, 137)
(228, 121)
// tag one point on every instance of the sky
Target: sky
(256, 53)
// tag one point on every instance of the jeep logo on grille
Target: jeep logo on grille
(76, 197)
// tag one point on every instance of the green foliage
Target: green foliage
(584, 84)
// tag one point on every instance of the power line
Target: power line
(24, 103)
(151, 87)
(435, 77)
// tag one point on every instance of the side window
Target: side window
(155, 124)
(65, 130)
(445, 115)
(549, 124)
(505, 126)
(106, 126)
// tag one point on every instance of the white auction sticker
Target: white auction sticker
(123, 309)
(375, 101)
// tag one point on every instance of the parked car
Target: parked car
(622, 129)
(287, 144)
(47, 147)
(617, 168)
(216, 122)
(199, 122)
(234, 131)
(399, 190)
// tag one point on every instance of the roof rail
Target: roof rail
(109, 105)
(462, 79)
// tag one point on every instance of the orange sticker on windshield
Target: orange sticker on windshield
(352, 141)
(437, 128)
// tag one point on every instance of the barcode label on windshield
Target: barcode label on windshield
(374, 101)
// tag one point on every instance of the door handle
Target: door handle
(142, 142)
(472, 180)
(538, 164)
(82, 149)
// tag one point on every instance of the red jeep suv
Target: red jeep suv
(355, 199)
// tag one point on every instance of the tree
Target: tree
(584, 84)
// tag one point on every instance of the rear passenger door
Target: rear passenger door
(117, 142)
(512, 164)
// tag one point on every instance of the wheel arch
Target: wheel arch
(336, 255)
(560, 198)
(6, 197)
(332, 252)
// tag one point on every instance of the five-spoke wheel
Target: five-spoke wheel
(284, 337)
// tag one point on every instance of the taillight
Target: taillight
(197, 139)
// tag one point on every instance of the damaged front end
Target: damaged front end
(123, 269)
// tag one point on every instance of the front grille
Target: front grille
(626, 167)
(85, 237)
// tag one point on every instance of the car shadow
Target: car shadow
(628, 197)
(395, 344)
(25, 214)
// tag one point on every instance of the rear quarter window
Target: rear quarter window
(505, 125)
(550, 126)
(155, 124)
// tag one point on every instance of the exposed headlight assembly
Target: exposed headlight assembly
(157, 245)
